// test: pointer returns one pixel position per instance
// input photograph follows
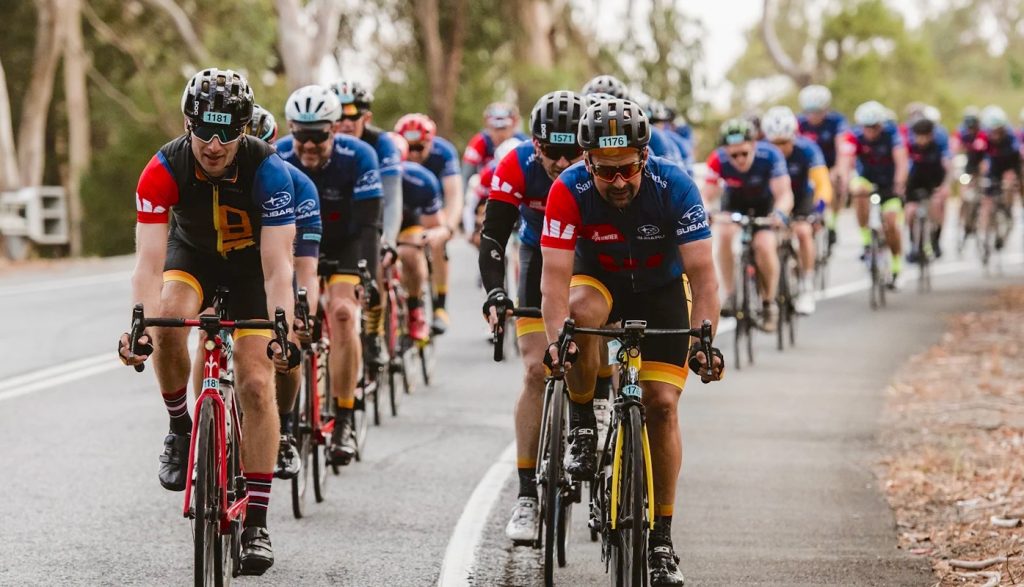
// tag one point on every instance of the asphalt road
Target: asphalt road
(777, 486)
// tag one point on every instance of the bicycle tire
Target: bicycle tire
(791, 316)
(373, 391)
(360, 422)
(208, 543)
(391, 344)
(425, 353)
(554, 476)
(316, 382)
(782, 302)
(749, 288)
(629, 560)
(303, 430)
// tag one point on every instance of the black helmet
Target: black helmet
(353, 92)
(218, 96)
(661, 112)
(735, 130)
(922, 126)
(606, 84)
(556, 117)
(614, 123)
(263, 125)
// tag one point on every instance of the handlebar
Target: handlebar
(498, 332)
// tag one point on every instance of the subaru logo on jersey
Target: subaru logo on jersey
(306, 207)
(277, 201)
(648, 230)
(694, 214)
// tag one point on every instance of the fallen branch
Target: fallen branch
(977, 565)
(1001, 522)
(994, 577)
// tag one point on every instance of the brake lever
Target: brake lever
(138, 325)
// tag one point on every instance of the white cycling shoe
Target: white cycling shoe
(522, 528)
(804, 304)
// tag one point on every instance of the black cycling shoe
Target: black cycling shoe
(343, 443)
(288, 462)
(664, 565)
(257, 555)
(174, 461)
(580, 459)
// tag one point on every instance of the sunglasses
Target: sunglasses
(311, 136)
(206, 133)
(739, 155)
(610, 172)
(352, 117)
(556, 152)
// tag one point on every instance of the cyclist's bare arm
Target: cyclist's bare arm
(711, 193)
(782, 191)
(148, 276)
(700, 271)
(276, 257)
(902, 160)
(452, 200)
(554, 288)
(436, 226)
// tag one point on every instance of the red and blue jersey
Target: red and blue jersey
(637, 247)
(806, 155)
(875, 161)
(308, 227)
(750, 189)
(520, 180)
(351, 174)
(220, 215)
(421, 191)
(974, 144)
(480, 149)
(1003, 155)
(825, 133)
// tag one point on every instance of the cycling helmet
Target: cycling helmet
(815, 98)
(606, 84)
(500, 114)
(754, 118)
(993, 117)
(556, 117)
(262, 125)
(400, 143)
(416, 128)
(932, 113)
(352, 92)
(614, 123)
(658, 111)
(914, 111)
(779, 124)
(312, 104)
(923, 126)
(597, 98)
(870, 114)
(735, 131)
(217, 96)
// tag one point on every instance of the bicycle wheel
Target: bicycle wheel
(629, 543)
(360, 422)
(373, 392)
(391, 344)
(749, 291)
(209, 544)
(924, 278)
(782, 302)
(425, 352)
(554, 478)
(303, 438)
(795, 285)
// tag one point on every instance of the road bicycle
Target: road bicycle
(920, 240)
(878, 256)
(822, 252)
(790, 283)
(969, 205)
(424, 349)
(746, 299)
(215, 489)
(396, 332)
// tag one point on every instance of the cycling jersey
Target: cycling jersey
(825, 133)
(875, 161)
(308, 228)
(805, 156)
(685, 148)
(421, 191)
(443, 160)
(221, 215)
(632, 249)
(1003, 155)
(684, 131)
(927, 170)
(974, 144)
(387, 153)
(664, 147)
(750, 190)
(351, 174)
(480, 149)
(520, 180)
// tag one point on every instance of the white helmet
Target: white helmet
(992, 117)
(506, 147)
(312, 104)
(815, 98)
(932, 113)
(870, 113)
(779, 124)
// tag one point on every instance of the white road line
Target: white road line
(460, 556)
(55, 284)
(52, 376)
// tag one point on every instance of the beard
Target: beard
(619, 197)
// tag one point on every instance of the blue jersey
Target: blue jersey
(520, 180)
(421, 191)
(927, 169)
(387, 152)
(685, 148)
(635, 248)
(443, 160)
(825, 133)
(684, 131)
(1002, 154)
(874, 158)
(308, 228)
(806, 155)
(351, 174)
(750, 189)
(663, 147)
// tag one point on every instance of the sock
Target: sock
(177, 408)
(896, 263)
(830, 219)
(286, 422)
(527, 482)
(440, 299)
(344, 404)
(865, 236)
(582, 415)
(414, 303)
(374, 320)
(258, 486)
(662, 534)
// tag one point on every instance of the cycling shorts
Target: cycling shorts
(761, 206)
(528, 296)
(205, 272)
(917, 192)
(803, 205)
(343, 256)
(666, 306)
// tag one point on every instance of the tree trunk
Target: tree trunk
(771, 42)
(193, 44)
(9, 178)
(32, 129)
(443, 66)
(306, 36)
(537, 24)
(79, 144)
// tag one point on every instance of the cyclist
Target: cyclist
(481, 187)
(519, 188)
(930, 164)
(347, 176)
(812, 190)
(356, 118)
(604, 87)
(308, 230)
(1001, 166)
(663, 118)
(231, 200)
(440, 157)
(828, 129)
(971, 142)
(882, 167)
(620, 229)
(501, 123)
(756, 179)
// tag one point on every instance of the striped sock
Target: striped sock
(177, 408)
(258, 486)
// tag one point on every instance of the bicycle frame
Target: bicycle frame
(630, 394)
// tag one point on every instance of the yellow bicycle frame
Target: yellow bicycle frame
(633, 363)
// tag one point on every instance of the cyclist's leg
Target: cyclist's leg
(439, 276)
(914, 193)
(532, 344)
(860, 189)
(892, 221)
(805, 237)
(414, 275)
(726, 234)
(766, 255)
